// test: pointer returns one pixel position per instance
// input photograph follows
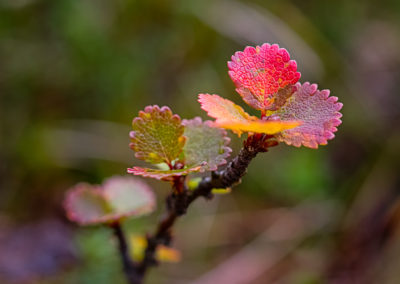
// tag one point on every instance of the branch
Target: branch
(130, 268)
(179, 201)
(235, 170)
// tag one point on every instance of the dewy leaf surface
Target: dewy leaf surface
(157, 135)
(316, 109)
(261, 72)
(231, 116)
(205, 144)
(117, 198)
(163, 174)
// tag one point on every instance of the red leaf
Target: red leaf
(260, 72)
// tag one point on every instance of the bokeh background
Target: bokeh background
(73, 74)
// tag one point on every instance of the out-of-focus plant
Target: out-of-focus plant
(267, 80)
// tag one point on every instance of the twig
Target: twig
(234, 171)
(180, 199)
(130, 268)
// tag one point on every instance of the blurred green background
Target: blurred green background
(73, 74)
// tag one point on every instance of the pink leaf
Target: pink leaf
(117, 198)
(316, 109)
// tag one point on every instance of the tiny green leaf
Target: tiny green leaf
(219, 191)
(157, 135)
(193, 183)
(205, 144)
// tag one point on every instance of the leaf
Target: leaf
(193, 183)
(220, 191)
(231, 116)
(163, 174)
(85, 204)
(163, 253)
(205, 144)
(167, 254)
(316, 109)
(260, 72)
(260, 126)
(117, 198)
(157, 135)
(222, 109)
(129, 196)
(148, 127)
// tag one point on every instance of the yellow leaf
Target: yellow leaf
(258, 126)
(167, 254)
(231, 116)
(163, 253)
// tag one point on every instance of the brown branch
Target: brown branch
(180, 199)
(130, 268)
(235, 170)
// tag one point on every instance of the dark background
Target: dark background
(73, 74)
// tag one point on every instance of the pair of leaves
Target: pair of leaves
(116, 198)
(309, 117)
(266, 79)
(186, 146)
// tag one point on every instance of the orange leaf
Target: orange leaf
(231, 116)
(222, 109)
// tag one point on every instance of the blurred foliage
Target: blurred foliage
(73, 74)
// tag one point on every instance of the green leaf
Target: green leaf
(205, 144)
(157, 135)
(193, 183)
(221, 190)
(117, 198)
